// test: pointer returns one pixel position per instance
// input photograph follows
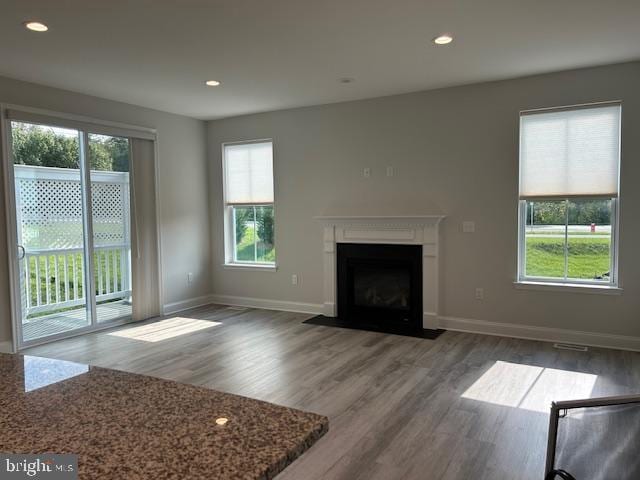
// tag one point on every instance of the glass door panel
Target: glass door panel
(47, 166)
(110, 209)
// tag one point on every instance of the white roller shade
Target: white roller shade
(570, 152)
(248, 171)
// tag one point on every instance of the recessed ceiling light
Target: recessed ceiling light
(212, 83)
(443, 39)
(36, 26)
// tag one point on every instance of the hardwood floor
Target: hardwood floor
(463, 406)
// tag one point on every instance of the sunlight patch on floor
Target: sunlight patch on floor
(40, 372)
(164, 329)
(529, 387)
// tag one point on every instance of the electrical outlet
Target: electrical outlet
(189, 277)
(389, 171)
(366, 172)
(479, 293)
(294, 279)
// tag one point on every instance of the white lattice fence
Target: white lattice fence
(49, 211)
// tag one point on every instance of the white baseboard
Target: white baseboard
(175, 307)
(284, 305)
(430, 320)
(529, 332)
(545, 334)
(6, 347)
(329, 309)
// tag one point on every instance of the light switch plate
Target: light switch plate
(366, 172)
(468, 226)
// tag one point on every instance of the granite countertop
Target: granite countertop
(123, 425)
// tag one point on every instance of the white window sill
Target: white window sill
(569, 287)
(257, 267)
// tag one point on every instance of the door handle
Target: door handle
(24, 252)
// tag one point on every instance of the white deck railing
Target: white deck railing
(55, 278)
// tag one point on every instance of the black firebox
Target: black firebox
(380, 286)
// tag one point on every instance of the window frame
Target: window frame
(523, 280)
(522, 277)
(229, 221)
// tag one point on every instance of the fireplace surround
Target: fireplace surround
(419, 230)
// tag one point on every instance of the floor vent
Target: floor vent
(569, 346)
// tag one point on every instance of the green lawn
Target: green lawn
(245, 250)
(588, 257)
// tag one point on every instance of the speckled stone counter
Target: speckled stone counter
(127, 426)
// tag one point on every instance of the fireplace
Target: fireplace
(370, 241)
(379, 286)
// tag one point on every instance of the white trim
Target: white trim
(6, 347)
(422, 230)
(482, 327)
(159, 259)
(79, 122)
(248, 142)
(430, 320)
(605, 289)
(381, 220)
(604, 103)
(87, 229)
(182, 305)
(544, 334)
(256, 267)
(614, 278)
(268, 304)
(12, 234)
(228, 233)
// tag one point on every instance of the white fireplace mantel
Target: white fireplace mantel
(407, 230)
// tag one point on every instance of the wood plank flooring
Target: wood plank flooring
(463, 406)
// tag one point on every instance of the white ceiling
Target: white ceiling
(274, 54)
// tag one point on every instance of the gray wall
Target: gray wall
(455, 152)
(184, 213)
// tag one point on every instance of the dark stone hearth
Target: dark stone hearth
(375, 327)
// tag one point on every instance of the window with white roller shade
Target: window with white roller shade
(568, 207)
(570, 152)
(248, 169)
(249, 204)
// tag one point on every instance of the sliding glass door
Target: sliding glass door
(111, 228)
(72, 218)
